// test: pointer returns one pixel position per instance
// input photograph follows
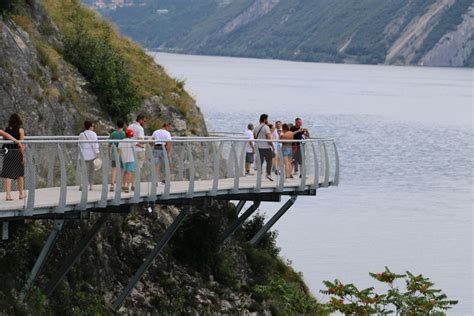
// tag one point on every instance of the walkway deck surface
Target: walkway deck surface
(47, 199)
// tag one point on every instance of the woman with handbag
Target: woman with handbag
(13, 163)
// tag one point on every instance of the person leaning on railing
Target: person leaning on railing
(13, 161)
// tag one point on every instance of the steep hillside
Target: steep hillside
(61, 63)
(423, 32)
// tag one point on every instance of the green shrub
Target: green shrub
(418, 298)
(104, 67)
(288, 298)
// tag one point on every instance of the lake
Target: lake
(405, 137)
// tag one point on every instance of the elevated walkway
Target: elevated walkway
(196, 169)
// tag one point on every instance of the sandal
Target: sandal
(22, 197)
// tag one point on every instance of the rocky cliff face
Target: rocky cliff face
(454, 48)
(51, 95)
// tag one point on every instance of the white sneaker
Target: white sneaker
(270, 178)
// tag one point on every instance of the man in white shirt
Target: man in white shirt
(139, 134)
(89, 151)
(250, 149)
(161, 139)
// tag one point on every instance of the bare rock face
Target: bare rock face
(258, 9)
(454, 48)
(50, 102)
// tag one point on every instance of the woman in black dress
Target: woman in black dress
(13, 164)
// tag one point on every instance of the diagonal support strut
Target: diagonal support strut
(240, 206)
(258, 236)
(76, 253)
(43, 256)
(239, 221)
(150, 258)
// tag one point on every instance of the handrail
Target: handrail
(194, 167)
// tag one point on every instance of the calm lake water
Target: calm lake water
(405, 137)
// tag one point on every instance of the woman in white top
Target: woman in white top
(276, 145)
(89, 151)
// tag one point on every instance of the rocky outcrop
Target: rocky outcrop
(412, 38)
(51, 101)
(258, 9)
(454, 48)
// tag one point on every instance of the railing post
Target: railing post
(336, 157)
(190, 193)
(205, 174)
(84, 187)
(326, 166)
(31, 183)
(236, 172)
(216, 170)
(63, 190)
(137, 184)
(302, 148)
(258, 160)
(281, 166)
(51, 161)
(154, 176)
(315, 185)
(118, 176)
(242, 159)
(105, 178)
(166, 192)
(182, 157)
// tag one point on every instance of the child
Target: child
(128, 160)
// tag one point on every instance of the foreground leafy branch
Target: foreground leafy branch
(417, 298)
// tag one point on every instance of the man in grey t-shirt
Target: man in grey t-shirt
(265, 149)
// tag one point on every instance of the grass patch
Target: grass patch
(48, 57)
(149, 78)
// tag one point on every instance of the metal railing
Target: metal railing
(54, 167)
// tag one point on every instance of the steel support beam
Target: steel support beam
(258, 236)
(239, 207)
(76, 253)
(239, 221)
(43, 256)
(4, 230)
(150, 258)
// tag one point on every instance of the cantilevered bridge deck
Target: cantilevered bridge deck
(196, 168)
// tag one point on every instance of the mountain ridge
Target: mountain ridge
(427, 33)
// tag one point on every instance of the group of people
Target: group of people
(13, 158)
(277, 135)
(131, 155)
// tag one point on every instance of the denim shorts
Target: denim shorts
(129, 166)
(287, 151)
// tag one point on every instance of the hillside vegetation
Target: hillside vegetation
(365, 31)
